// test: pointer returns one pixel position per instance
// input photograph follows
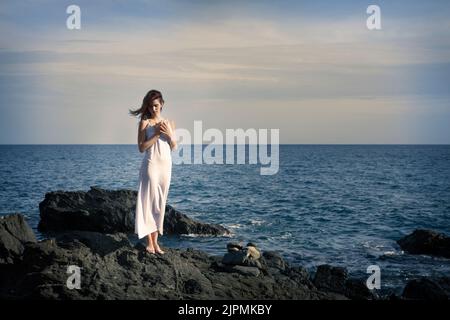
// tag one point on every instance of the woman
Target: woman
(156, 137)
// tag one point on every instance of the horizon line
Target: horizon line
(247, 144)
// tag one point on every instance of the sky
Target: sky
(311, 69)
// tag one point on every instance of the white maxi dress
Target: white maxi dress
(154, 181)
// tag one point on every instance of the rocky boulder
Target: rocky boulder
(335, 279)
(427, 289)
(331, 278)
(109, 211)
(176, 222)
(426, 242)
(14, 234)
(241, 260)
(237, 255)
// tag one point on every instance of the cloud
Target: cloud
(232, 58)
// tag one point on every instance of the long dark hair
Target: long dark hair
(149, 97)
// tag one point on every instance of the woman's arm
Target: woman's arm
(173, 139)
(145, 144)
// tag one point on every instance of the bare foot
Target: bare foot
(150, 250)
(159, 250)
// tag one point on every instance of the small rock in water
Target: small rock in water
(426, 242)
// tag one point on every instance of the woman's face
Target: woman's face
(155, 108)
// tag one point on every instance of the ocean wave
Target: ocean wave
(234, 226)
(257, 222)
(195, 235)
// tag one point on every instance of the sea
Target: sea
(343, 205)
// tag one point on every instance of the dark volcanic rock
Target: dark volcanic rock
(109, 211)
(110, 268)
(234, 246)
(239, 256)
(331, 278)
(245, 270)
(426, 242)
(235, 258)
(335, 279)
(96, 210)
(99, 243)
(425, 289)
(176, 222)
(356, 289)
(14, 233)
(273, 260)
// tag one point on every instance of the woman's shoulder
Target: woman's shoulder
(143, 122)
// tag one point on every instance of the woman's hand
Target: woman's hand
(166, 128)
(158, 129)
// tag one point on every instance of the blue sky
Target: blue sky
(309, 68)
